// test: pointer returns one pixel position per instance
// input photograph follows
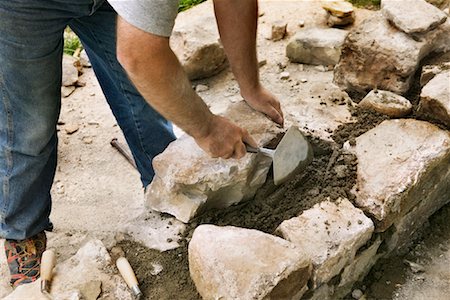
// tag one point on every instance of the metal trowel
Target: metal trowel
(292, 155)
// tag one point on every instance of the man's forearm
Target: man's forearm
(237, 22)
(158, 76)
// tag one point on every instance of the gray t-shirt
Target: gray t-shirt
(153, 16)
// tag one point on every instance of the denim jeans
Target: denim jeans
(31, 47)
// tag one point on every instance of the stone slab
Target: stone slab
(195, 40)
(412, 16)
(316, 46)
(236, 263)
(435, 99)
(330, 233)
(188, 181)
(399, 163)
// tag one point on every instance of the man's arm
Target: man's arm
(160, 78)
(237, 22)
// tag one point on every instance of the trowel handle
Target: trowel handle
(47, 265)
(251, 149)
(128, 275)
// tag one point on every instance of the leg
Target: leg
(146, 131)
(30, 76)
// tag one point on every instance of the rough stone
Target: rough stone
(415, 154)
(278, 30)
(236, 263)
(188, 181)
(91, 263)
(429, 71)
(316, 46)
(195, 40)
(330, 233)
(376, 55)
(84, 59)
(201, 88)
(359, 268)
(412, 16)
(70, 71)
(333, 21)
(435, 99)
(387, 103)
(284, 75)
(338, 8)
(66, 91)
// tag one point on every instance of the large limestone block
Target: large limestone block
(435, 99)
(330, 233)
(376, 55)
(316, 46)
(387, 103)
(73, 278)
(400, 163)
(195, 41)
(236, 263)
(412, 16)
(188, 181)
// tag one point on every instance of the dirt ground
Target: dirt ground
(97, 194)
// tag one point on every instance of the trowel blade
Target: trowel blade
(292, 155)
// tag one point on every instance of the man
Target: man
(30, 75)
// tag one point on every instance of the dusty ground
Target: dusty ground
(98, 194)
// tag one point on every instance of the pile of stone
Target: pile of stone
(385, 50)
(339, 13)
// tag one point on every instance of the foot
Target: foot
(24, 258)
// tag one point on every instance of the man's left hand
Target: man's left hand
(264, 101)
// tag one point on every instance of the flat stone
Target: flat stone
(333, 21)
(330, 233)
(338, 8)
(71, 128)
(358, 269)
(70, 71)
(435, 99)
(412, 16)
(376, 55)
(236, 263)
(416, 156)
(387, 103)
(188, 181)
(429, 71)
(316, 46)
(91, 290)
(195, 41)
(278, 30)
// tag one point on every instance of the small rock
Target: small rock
(278, 30)
(60, 188)
(416, 17)
(262, 63)
(70, 71)
(117, 251)
(303, 80)
(71, 128)
(301, 23)
(387, 103)
(320, 68)
(84, 59)
(341, 171)
(435, 99)
(415, 267)
(157, 268)
(428, 72)
(66, 91)
(316, 46)
(338, 8)
(87, 140)
(333, 21)
(284, 75)
(357, 294)
(201, 88)
(91, 290)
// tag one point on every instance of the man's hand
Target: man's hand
(263, 101)
(224, 139)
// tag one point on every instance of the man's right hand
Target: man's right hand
(224, 139)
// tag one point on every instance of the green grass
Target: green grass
(186, 4)
(71, 42)
(370, 4)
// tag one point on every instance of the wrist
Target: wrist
(204, 127)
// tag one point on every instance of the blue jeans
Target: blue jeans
(31, 47)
